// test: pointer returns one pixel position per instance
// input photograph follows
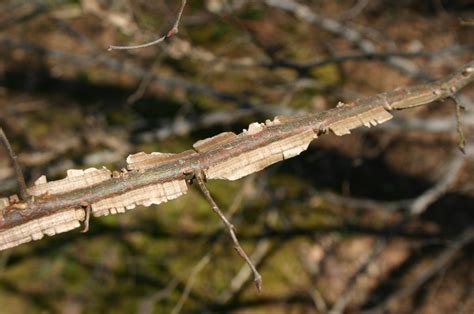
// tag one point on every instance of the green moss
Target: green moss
(39, 129)
(83, 76)
(328, 74)
(284, 270)
(304, 99)
(74, 274)
(121, 116)
(298, 52)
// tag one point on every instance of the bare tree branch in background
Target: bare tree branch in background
(173, 31)
(439, 262)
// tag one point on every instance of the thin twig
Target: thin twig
(230, 228)
(20, 179)
(421, 203)
(173, 31)
(262, 248)
(235, 205)
(462, 138)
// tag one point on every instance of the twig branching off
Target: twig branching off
(173, 31)
(20, 179)
(257, 277)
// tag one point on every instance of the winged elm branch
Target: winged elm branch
(59, 206)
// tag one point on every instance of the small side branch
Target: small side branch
(173, 31)
(20, 179)
(257, 277)
(462, 138)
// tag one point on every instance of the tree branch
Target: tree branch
(155, 178)
(173, 31)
